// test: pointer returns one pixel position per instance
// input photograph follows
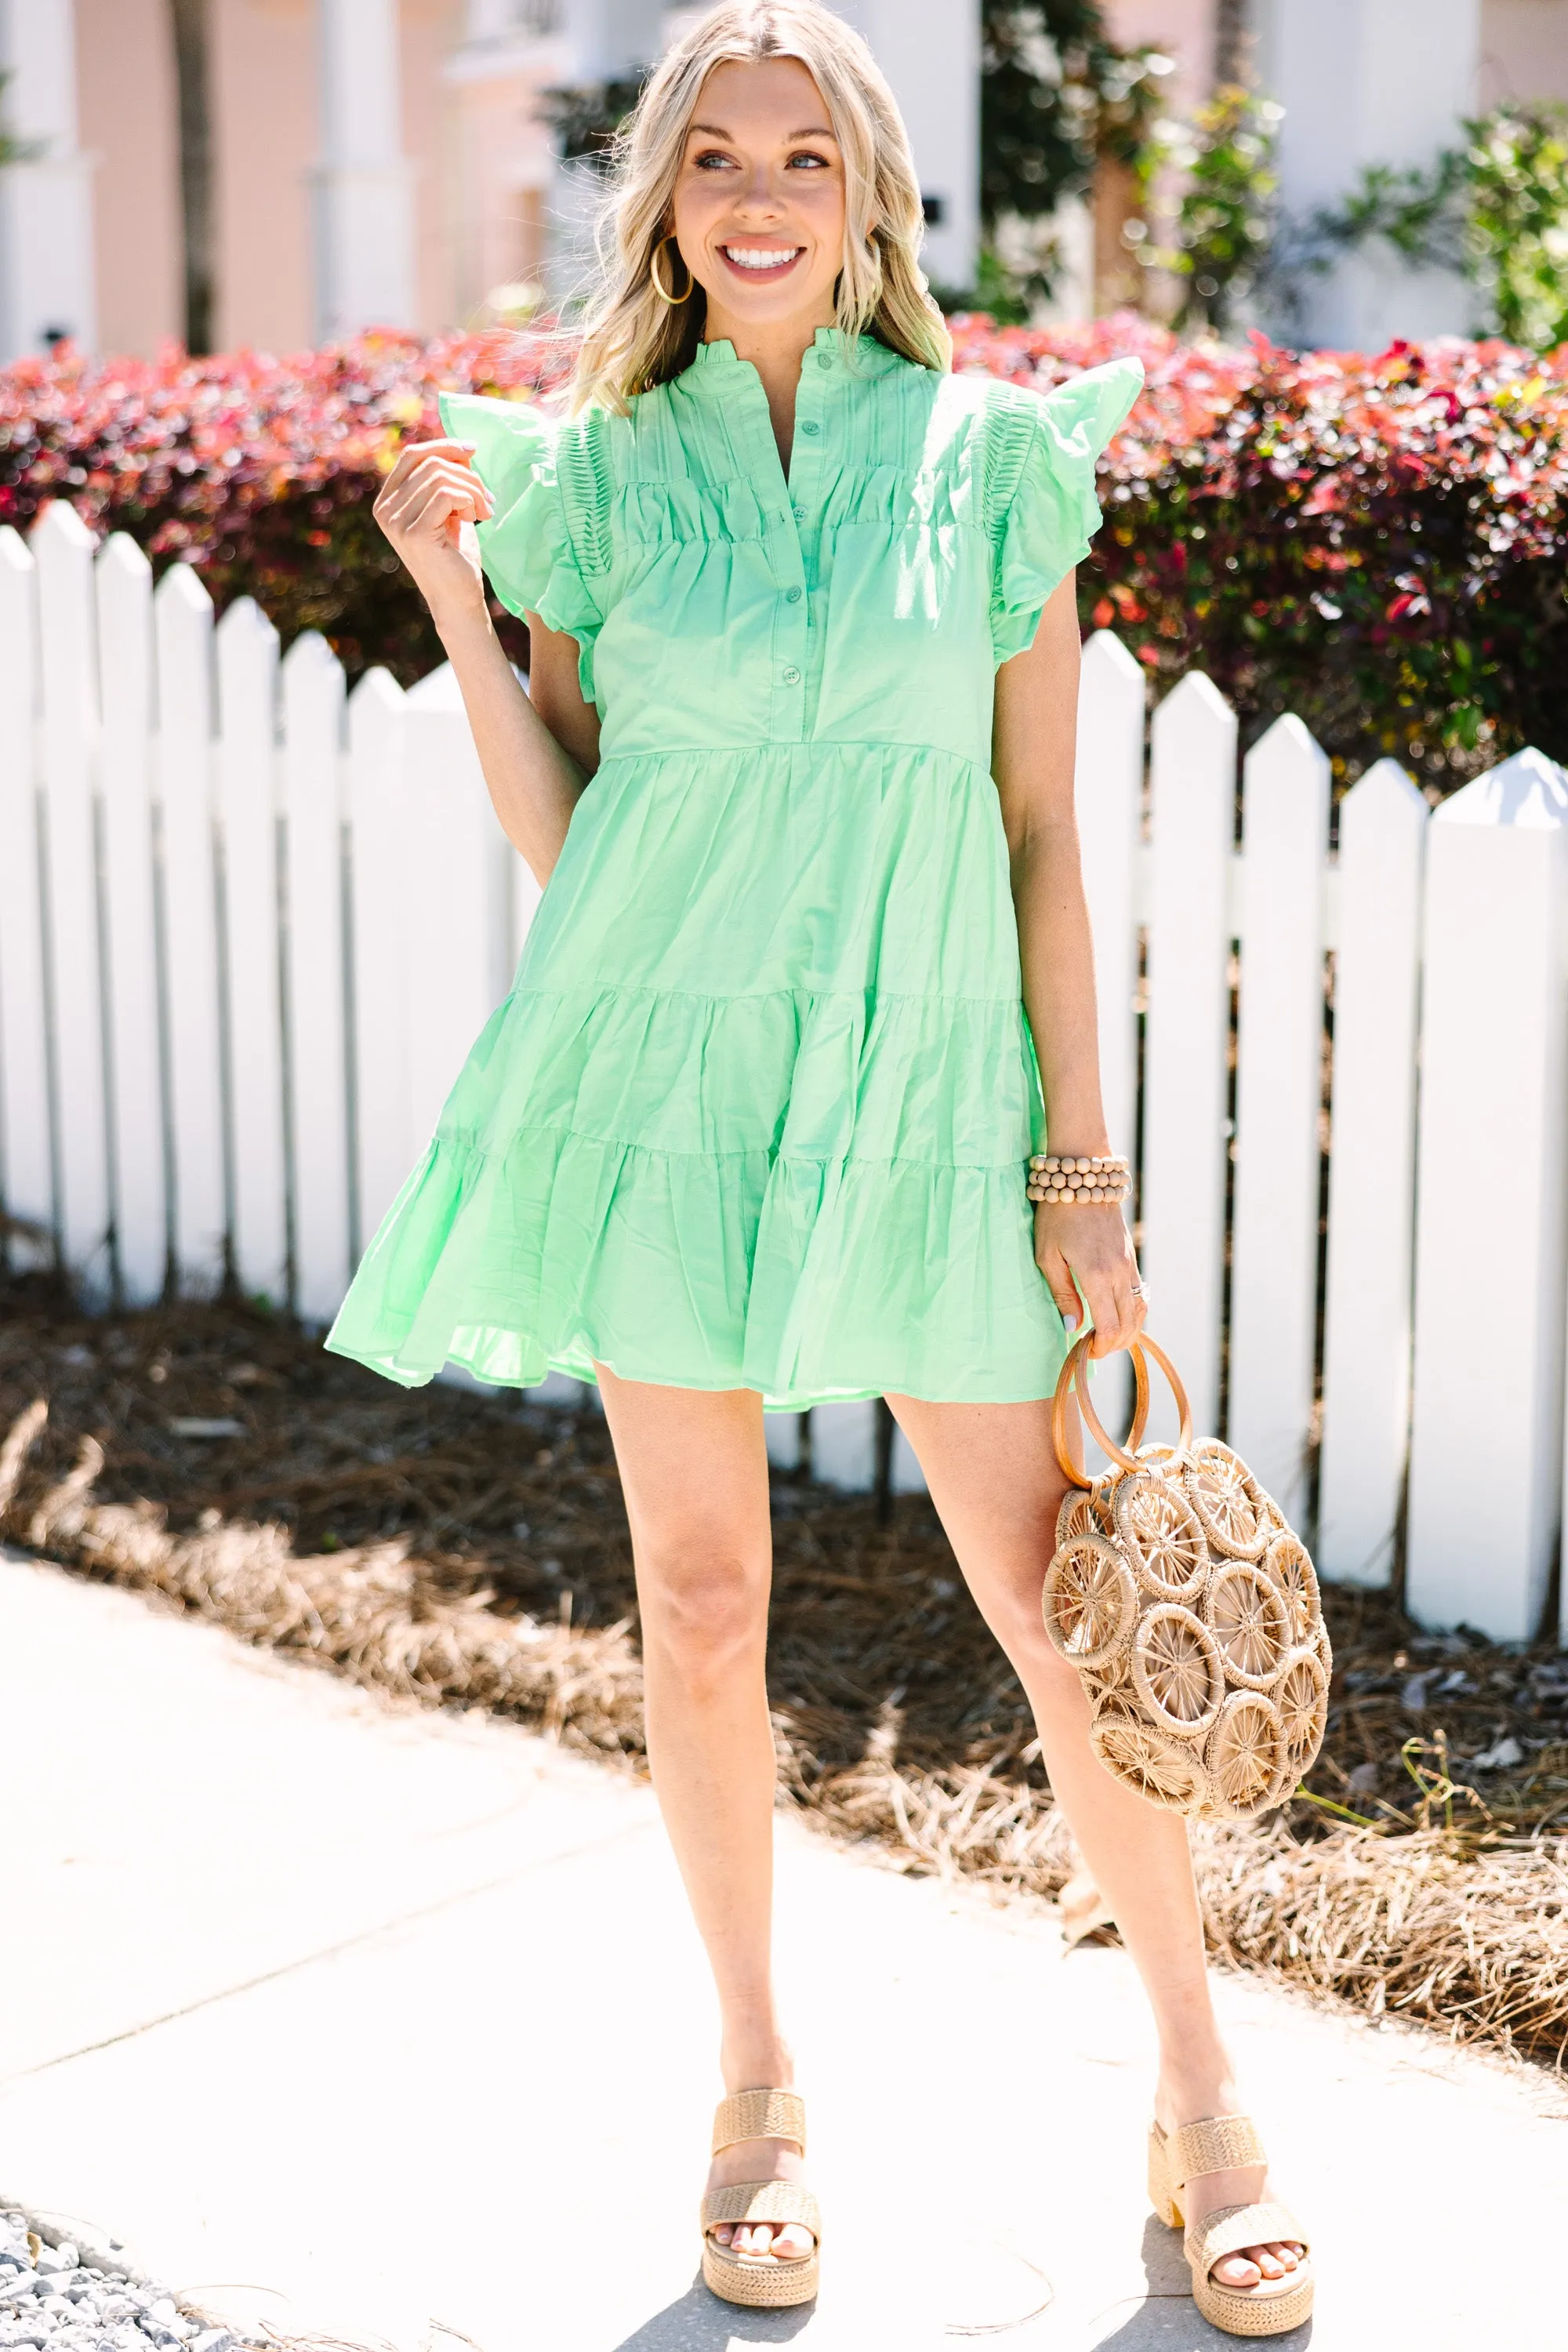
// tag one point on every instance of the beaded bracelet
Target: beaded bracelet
(1065, 1180)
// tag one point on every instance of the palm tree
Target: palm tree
(189, 21)
(1232, 44)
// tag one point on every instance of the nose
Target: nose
(759, 196)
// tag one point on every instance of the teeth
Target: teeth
(756, 257)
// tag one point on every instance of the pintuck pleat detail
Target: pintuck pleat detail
(757, 1109)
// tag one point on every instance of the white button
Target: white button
(792, 677)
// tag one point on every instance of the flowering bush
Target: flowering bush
(260, 472)
(1377, 543)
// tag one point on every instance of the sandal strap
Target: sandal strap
(1225, 2231)
(1218, 2144)
(764, 2201)
(759, 2114)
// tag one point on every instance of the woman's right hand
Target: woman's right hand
(429, 495)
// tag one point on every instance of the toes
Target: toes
(787, 2240)
(1287, 2252)
(1235, 2270)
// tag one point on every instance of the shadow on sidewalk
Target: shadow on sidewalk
(1163, 2318)
(701, 2322)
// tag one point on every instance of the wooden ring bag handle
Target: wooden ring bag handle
(1075, 1371)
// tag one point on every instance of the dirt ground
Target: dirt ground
(897, 1715)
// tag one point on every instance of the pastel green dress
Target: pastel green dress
(757, 1109)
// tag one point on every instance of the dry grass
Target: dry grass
(470, 1550)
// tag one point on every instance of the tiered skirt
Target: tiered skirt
(757, 1109)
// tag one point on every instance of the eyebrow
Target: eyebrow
(713, 130)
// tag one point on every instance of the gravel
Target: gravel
(82, 2293)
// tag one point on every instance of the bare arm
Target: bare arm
(1032, 744)
(536, 755)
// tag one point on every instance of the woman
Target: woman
(753, 1126)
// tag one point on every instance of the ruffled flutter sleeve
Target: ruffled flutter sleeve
(546, 551)
(1041, 507)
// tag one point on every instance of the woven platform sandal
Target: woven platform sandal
(1226, 2144)
(760, 2279)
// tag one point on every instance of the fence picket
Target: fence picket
(386, 1144)
(844, 1445)
(252, 948)
(317, 1063)
(781, 1434)
(196, 1057)
(460, 912)
(139, 1176)
(63, 550)
(906, 1478)
(183, 627)
(26, 1174)
(1487, 1453)
(1372, 1175)
(1193, 802)
(1110, 803)
(1279, 1068)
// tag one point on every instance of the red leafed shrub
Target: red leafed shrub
(1375, 542)
(260, 472)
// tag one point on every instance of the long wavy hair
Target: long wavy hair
(630, 340)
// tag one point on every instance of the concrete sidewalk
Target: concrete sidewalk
(379, 2022)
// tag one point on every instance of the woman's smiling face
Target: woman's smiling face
(758, 210)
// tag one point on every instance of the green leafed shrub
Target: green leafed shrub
(1225, 219)
(1495, 209)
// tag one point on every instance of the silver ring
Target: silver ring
(1139, 1291)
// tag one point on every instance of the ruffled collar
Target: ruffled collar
(834, 356)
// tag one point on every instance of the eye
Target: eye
(713, 159)
(805, 156)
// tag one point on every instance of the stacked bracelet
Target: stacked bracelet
(1061, 1178)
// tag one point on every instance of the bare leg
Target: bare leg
(995, 1480)
(694, 1470)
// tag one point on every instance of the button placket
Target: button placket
(793, 622)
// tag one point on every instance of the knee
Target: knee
(704, 1606)
(1053, 1684)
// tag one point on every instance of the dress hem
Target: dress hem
(574, 1367)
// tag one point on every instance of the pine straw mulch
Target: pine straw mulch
(471, 1551)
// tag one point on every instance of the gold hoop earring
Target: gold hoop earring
(674, 300)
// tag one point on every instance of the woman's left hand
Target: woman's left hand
(1085, 1255)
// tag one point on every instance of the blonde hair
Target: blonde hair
(631, 341)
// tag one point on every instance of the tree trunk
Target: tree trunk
(1232, 42)
(189, 20)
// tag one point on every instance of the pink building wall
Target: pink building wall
(481, 162)
(1183, 29)
(430, 30)
(1524, 51)
(266, 142)
(264, 105)
(125, 96)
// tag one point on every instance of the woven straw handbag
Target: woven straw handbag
(1190, 1610)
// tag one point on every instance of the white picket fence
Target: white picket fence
(250, 927)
